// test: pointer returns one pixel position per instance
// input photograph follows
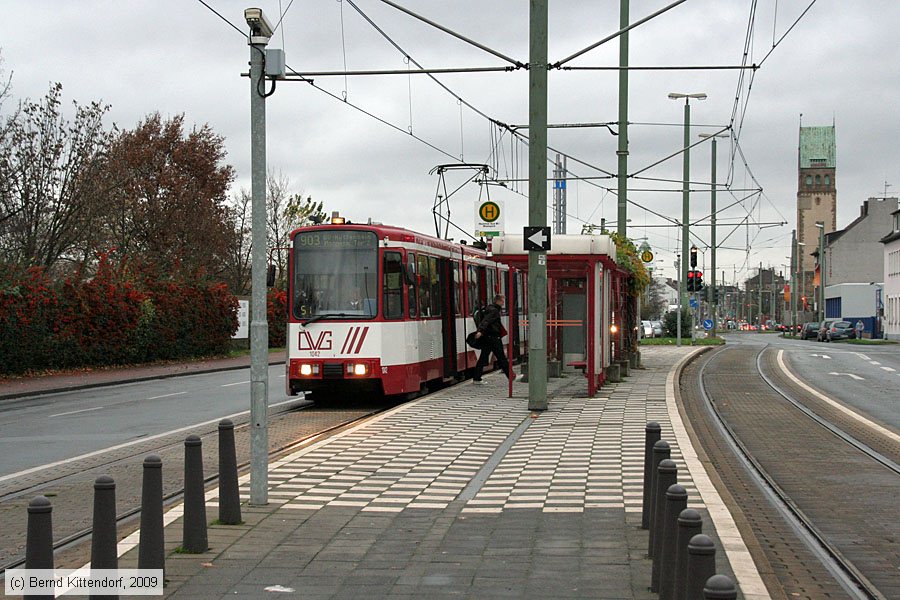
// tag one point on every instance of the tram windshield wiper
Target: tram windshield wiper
(312, 320)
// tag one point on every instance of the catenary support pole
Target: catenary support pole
(259, 328)
(537, 205)
(622, 151)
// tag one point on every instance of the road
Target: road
(866, 378)
(57, 427)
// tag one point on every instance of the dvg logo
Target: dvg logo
(323, 342)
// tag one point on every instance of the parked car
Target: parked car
(646, 329)
(824, 326)
(809, 331)
(840, 330)
(657, 328)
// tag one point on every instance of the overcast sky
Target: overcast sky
(840, 63)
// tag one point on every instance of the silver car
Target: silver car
(646, 329)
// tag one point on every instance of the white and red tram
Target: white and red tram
(379, 309)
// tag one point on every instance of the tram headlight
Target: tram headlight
(613, 328)
(306, 370)
(357, 369)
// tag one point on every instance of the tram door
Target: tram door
(448, 314)
(574, 312)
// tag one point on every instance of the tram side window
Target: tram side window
(457, 288)
(435, 279)
(490, 284)
(393, 286)
(472, 301)
(423, 272)
(411, 287)
(504, 285)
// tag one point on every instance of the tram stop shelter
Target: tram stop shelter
(584, 284)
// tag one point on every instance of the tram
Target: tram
(375, 309)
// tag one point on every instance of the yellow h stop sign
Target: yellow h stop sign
(489, 212)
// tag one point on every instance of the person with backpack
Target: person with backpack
(490, 332)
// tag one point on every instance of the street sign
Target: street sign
(537, 238)
(488, 218)
(694, 303)
(707, 324)
(647, 256)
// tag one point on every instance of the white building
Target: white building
(891, 298)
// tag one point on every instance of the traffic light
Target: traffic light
(693, 256)
(698, 281)
(690, 281)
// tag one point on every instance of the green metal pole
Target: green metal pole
(711, 297)
(822, 270)
(622, 151)
(686, 206)
(537, 205)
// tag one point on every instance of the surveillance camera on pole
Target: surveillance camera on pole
(259, 24)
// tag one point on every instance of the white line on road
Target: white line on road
(856, 377)
(861, 355)
(141, 440)
(874, 362)
(235, 383)
(166, 395)
(821, 356)
(74, 412)
(882, 430)
(888, 369)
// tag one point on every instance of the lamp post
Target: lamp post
(685, 194)
(711, 296)
(821, 311)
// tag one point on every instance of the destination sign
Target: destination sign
(336, 240)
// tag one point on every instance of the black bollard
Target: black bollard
(690, 523)
(720, 587)
(666, 476)
(39, 539)
(194, 539)
(103, 537)
(701, 565)
(152, 546)
(676, 501)
(229, 496)
(651, 436)
(661, 452)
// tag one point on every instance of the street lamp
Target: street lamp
(685, 201)
(821, 311)
(711, 296)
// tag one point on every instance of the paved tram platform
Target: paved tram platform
(465, 494)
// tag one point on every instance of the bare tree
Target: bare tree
(47, 168)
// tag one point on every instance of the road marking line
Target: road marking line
(75, 412)
(236, 383)
(888, 369)
(856, 377)
(882, 430)
(166, 395)
(139, 440)
(821, 356)
(874, 362)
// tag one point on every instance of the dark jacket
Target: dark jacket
(490, 322)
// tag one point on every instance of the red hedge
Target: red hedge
(111, 318)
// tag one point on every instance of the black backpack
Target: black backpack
(478, 315)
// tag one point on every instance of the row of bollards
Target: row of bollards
(151, 548)
(683, 558)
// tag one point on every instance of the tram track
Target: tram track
(72, 539)
(766, 420)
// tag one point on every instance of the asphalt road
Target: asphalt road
(57, 427)
(865, 377)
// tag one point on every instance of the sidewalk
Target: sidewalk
(464, 494)
(73, 380)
